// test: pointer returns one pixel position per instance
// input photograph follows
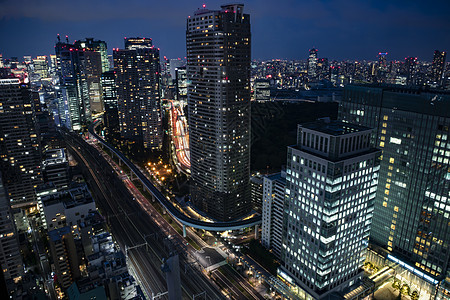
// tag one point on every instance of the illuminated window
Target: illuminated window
(385, 118)
(391, 160)
(393, 227)
(383, 131)
(381, 144)
(386, 192)
(384, 125)
(396, 208)
(385, 204)
(388, 186)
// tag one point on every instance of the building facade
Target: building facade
(138, 90)
(74, 105)
(10, 258)
(19, 143)
(110, 99)
(412, 211)
(438, 66)
(330, 186)
(218, 69)
(312, 63)
(272, 212)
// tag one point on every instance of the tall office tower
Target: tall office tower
(218, 68)
(330, 186)
(174, 65)
(64, 254)
(93, 69)
(273, 194)
(410, 69)
(382, 61)
(138, 92)
(10, 259)
(110, 99)
(40, 64)
(97, 46)
(73, 82)
(323, 68)
(181, 84)
(411, 212)
(312, 63)
(1, 60)
(53, 66)
(19, 143)
(437, 69)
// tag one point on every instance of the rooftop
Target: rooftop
(57, 234)
(335, 128)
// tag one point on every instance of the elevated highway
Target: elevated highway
(170, 208)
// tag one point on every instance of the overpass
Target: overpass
(170, 208)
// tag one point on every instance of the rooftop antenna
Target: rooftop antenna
(67, 39)
(59, 38)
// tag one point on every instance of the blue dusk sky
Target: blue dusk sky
(339, 29)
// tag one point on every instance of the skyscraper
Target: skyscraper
(330, 186)
(412, 211)
(437, 69)
(138, 90)
(410, 69)
(97, 46)
(19, 143)
(74, 106)
(181, 84)
(382, 60)
(40, 65)
(312, 63)
(218, 68)
(93, 69)
(110, 99)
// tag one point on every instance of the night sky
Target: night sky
(339, 29)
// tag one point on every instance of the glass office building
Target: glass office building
(412, 206)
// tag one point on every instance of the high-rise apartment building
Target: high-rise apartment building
(138, 90)
(19, 143)
(110, 99)
(412, 209)
(437, 68)
(312, 63)
(218, 68)
(74, 106)
(10, 259)
(330, 186)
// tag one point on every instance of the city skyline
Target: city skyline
(330, 27)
